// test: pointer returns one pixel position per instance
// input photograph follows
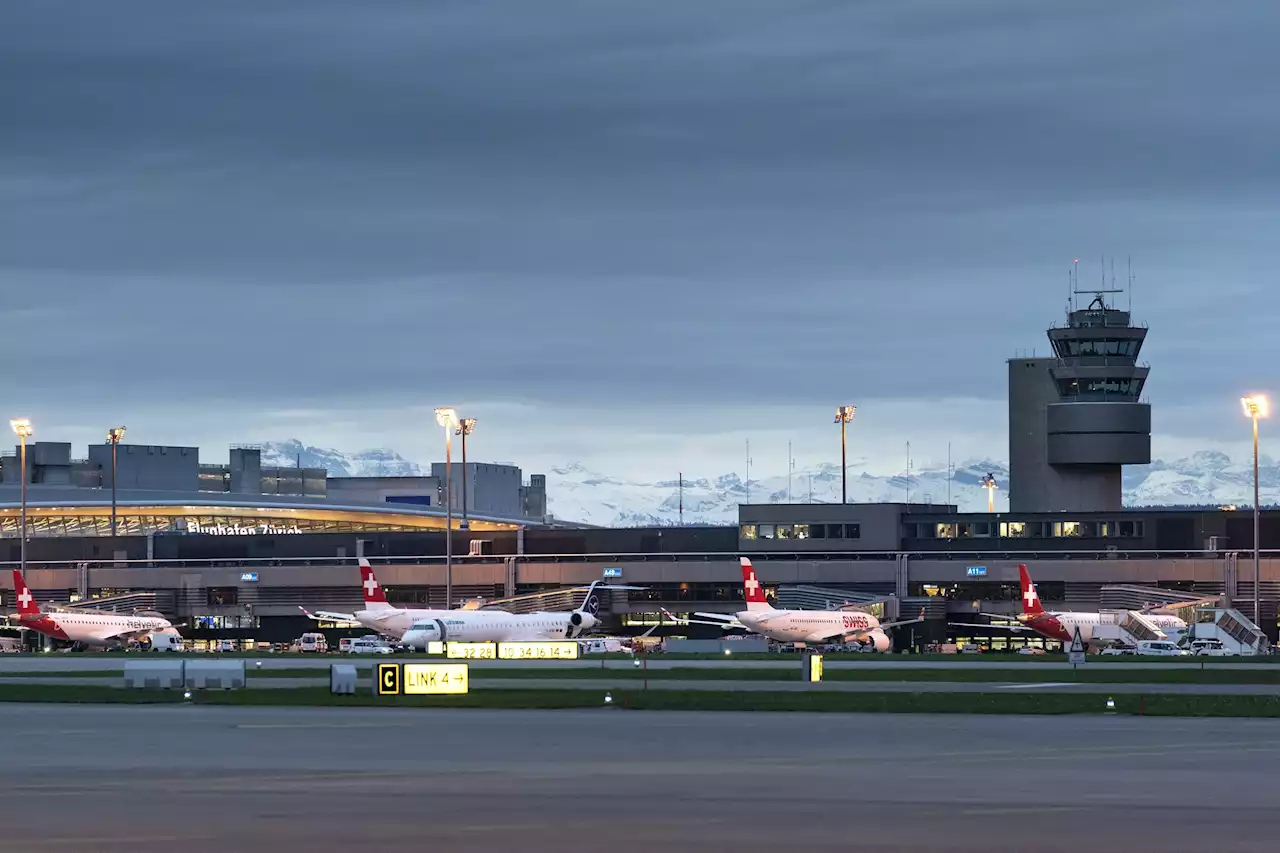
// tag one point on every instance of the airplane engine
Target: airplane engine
(878, 640)
(579, 622)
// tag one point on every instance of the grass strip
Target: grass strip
(905, 703)
(1018, 675)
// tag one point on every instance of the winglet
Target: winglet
(26, 601)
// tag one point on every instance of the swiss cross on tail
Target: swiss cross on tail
(751, 589)
(373, 593)
(1030, 600)
(26, 601)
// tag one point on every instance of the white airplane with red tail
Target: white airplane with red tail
(810, 627)
(86, 627)
(1062, 624)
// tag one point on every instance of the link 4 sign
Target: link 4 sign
(436, 679)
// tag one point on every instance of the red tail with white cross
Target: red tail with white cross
(1030, 600)
(26, 601)
(374, 597)
(752, 591)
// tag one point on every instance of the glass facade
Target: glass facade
(44, 525)
(1125, 348)
(1124, 387)
(801, 531)
(1106, 529)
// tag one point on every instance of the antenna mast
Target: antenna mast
(747, 482)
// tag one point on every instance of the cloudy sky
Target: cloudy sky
(631, 233)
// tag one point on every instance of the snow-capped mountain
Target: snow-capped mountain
(379, 462)
(578, 493)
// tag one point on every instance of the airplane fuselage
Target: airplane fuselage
(808, 626)
(1062, 625)
(476, 626)
(93, 629)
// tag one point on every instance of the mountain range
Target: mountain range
(576, 493)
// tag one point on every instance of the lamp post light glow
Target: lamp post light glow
(466, 426)
(114, 436)
(22, 427)
(844, 414)
(448, 418)
(1256, 406)
(989, 483)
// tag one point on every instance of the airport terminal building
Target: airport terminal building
(234, 550)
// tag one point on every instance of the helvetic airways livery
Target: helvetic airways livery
(86, 627)
(811, 627)
(1062, 624)
(481, 626)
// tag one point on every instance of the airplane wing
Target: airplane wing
(328, 615)
(720, 620)
(1179, 605)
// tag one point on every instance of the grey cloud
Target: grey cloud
(715, 202)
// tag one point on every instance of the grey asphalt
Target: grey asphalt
(202, 779)
(607, 684)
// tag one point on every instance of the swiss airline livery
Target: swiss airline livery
(497, 626)
(814, 627)
(86, 627)
(1062, 624)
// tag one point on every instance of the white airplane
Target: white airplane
(1062, 624)
(467, 625)
(811, 627)
(87, 627)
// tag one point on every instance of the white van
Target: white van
(368, 646)
(1209, 648)
(1160, 647)
(313, 643)
(165, 643)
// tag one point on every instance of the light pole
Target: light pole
(1256, 407)
(22, 427)
(448, 418)
(989, 483)
(114, 436)
(844, 414)
(466, 426)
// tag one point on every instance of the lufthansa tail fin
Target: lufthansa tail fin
(374, 597)
(1030, 599)
(752, 591)
(26, 601)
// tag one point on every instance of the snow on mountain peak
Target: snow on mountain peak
(579, 493)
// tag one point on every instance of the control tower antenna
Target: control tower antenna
(1130, 284)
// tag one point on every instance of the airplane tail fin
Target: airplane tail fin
(591, 604)
(752, 591)
(374, 597)
(1030, 599)
(26, 601)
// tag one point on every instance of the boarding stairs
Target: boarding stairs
(1237, 632)
(1128, 627)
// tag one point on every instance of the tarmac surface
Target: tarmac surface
(757, 686)
(156, 779)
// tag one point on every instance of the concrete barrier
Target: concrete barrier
(342, 679)
(215, 674)
(154, 674)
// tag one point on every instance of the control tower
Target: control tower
(1075, 419)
